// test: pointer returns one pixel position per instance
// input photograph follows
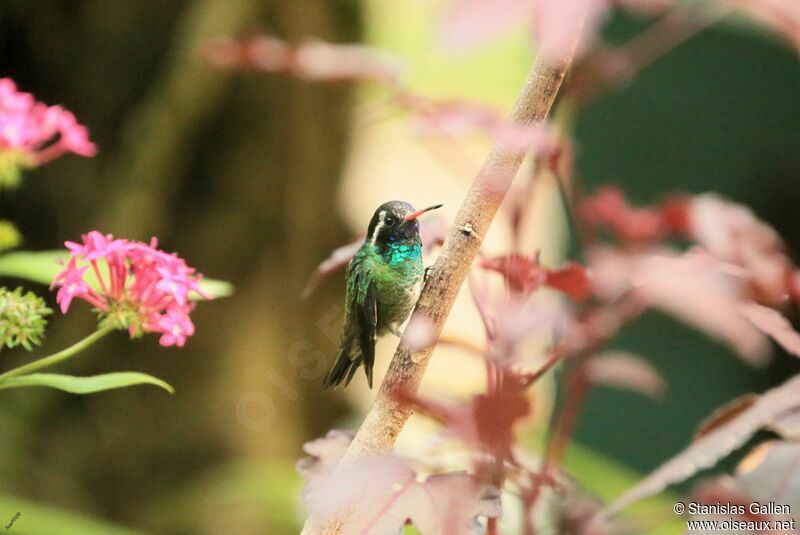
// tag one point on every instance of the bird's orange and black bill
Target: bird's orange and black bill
(413, 215)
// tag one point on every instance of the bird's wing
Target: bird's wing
(365, 308)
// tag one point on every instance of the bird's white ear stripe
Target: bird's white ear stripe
(378, 227)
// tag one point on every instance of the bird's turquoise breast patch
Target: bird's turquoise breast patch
(398, 253)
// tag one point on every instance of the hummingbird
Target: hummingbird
(382, 282)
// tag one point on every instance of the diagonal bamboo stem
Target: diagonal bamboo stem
(387, 417)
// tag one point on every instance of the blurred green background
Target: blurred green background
(237, 172)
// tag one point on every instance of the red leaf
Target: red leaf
(624, 370)
(444, 503)
(676, 214)
(522, 273)
(311, 59)
(457, 117)
(724, 490)
(495, 417)
(384, 493)
(770, 474)
(787, 425)
(525, 274)
(485, 422)
(706, 451)
(732, 233)
(338, 259)
(469, 23)
(696, 288)
(573, 280)
(514, 320)
(608, 210)
(773, 324)
(324, 455)
(556, 24)
(725, 414)
(781, 16)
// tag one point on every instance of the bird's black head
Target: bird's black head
(395, 221)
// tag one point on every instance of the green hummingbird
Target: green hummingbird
(382, 283)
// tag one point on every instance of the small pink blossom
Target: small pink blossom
(138, 287)
(34, 133)
(72, 284)
(175, 326)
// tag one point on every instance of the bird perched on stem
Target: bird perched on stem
(382, 282)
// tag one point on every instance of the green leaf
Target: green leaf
(216, 288)
(85, 385)
(36, 519)
(43, 266)
(38, 266)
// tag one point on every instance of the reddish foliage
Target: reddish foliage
(494, 419)
(485, 422)
(734, 234)
(623, 370)
(608, 210)
(774, 324)
(725, 414)
(675, 211)
(385, 493)
(524, 274)
(573, 279)
(781, 16)
(461, 116)
(696, 288)
(310, 59)
(718, 443)
(725, 490)
(727, 230)
(338, 259)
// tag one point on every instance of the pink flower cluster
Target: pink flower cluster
(134, 285)
(36, 130)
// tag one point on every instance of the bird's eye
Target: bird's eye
(389, 220)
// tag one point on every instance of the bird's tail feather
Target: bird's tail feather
(346, 364)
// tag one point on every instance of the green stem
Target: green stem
(55, 358)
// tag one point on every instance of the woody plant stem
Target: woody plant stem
(386, 419)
